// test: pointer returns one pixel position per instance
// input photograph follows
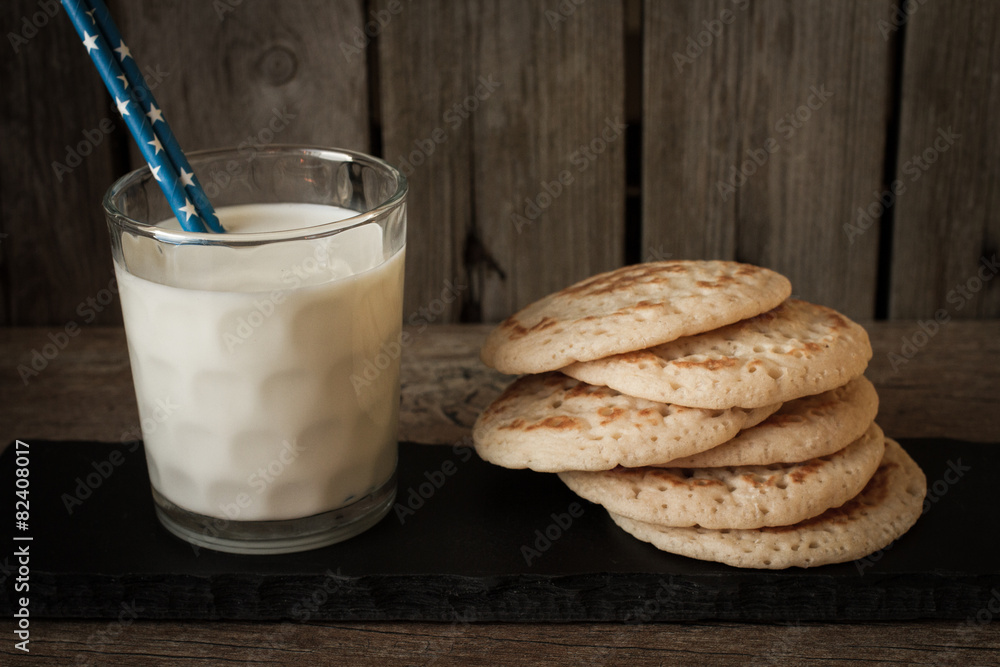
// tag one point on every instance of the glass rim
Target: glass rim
(178, 237)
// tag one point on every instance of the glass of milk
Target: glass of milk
(266, 428)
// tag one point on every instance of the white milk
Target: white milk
(249, 365)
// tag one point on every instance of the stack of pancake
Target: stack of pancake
(711, 415)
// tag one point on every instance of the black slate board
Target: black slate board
(459, 556)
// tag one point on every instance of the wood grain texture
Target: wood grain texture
(764, 128)
(463, 643)
(63, 146)
(947, 389)
(253, 73)
(424, 56)
(948, 218)
(547, 83)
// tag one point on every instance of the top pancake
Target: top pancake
(628, 309)
(798, 349)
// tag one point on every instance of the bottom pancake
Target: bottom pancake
(886, 508)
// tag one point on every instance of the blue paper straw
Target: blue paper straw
(141, 93)
(151, 145)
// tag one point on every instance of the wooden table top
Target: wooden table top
(940, 385)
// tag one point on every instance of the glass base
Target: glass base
(277, 537)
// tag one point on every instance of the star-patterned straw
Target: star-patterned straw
(128, 88)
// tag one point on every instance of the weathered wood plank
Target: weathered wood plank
(944, 390)
(948, 218)
(424, 62)
(508, 203)
(764, 129)
(690, 139)
(467, 643)
(234, 73)
(63, 146)
(557, 134)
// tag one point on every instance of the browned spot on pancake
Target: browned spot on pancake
(678, 477)
(514, 424)
(721, 281)
(750, 479)
(518, 330)
(559, 422)
(805, 470)
(710, 364)
(672, 268)
(808, 346)
(747, 270)
(623, 279)
(636, 356)
(582, 389)
(610, 414)
(836, 323)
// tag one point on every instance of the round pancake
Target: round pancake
(552, 423)
(888, 506)
(736, 497)
(630, 308)
(797, 349)
(802, 429)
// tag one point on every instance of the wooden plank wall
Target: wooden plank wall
(507, 204)
(59, 157)
(251, 68)
(499, 101)
(948, 218)
(764, 128)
